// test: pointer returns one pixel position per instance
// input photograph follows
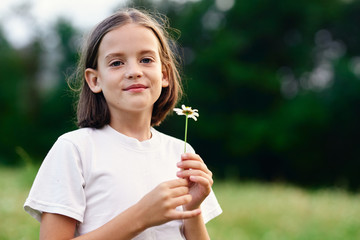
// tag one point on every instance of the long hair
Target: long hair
(92, 109)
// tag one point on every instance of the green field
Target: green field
(252, 211)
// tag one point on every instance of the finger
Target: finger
(192, 164)
(193, 172)
(185, 214)
(179, 201)
(202, 181)
(174, 183)
(179, 191)
(191, 156)
(194, 161)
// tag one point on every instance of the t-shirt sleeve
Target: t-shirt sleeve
(59, 184)
(210, 207)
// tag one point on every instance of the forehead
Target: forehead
(129, 38)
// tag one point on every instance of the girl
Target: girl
(117, 177)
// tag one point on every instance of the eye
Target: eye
(115, 63)
(146, 60)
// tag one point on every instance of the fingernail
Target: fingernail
(179, 164)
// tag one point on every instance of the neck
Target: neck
(132, 126)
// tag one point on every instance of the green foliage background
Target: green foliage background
(276, 84)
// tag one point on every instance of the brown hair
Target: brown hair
(92, 109)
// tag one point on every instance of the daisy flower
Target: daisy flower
(188, 112)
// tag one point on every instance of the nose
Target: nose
(133, 71)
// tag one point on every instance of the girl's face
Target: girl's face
(130, 73)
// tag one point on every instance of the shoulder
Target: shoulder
(167, 139)
(76, 140)
(172, 142)
(70, 142)
(78, 136)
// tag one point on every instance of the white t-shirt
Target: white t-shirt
(92, 175)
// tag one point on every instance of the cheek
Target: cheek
(157, 91)
(109, 87)
(108, 80)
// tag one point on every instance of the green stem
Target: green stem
(186, 126)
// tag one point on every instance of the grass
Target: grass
(252, 211)
(14, 187)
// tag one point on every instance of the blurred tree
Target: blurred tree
(31, 119)
(57, 115)
(19, 95)
(276, 84)
(274, 88)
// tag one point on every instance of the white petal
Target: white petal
(193, 117)
(179, 111)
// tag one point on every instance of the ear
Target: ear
(91, 77)
(165, 76)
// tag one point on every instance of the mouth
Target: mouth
(135, 88)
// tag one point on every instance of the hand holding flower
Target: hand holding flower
(200, 178)
(192, 167)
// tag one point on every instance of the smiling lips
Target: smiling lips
(136, 88)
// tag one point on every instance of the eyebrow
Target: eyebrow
(119, 54)
(112, 55)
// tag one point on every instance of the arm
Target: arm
(55, 226)
(155, 208)
(125, 226)
(200, 182)
(194, 228)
